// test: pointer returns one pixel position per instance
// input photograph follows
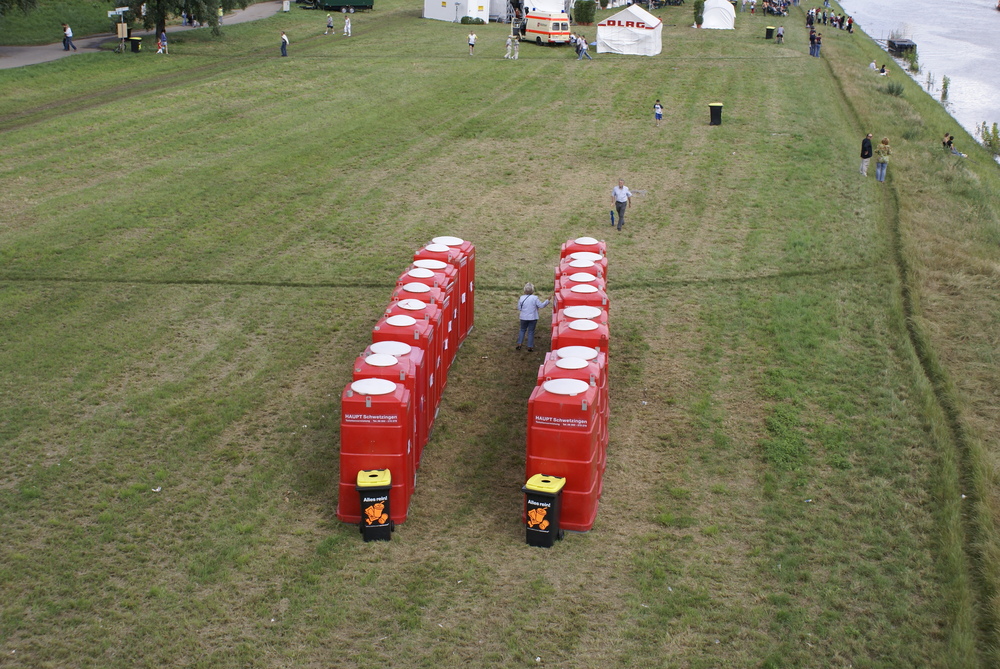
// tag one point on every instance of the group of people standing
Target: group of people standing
(817, 16)
(330, 30)
(882, 152)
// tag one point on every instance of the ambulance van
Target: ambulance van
(547, 27)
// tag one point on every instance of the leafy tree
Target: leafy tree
(205, 12)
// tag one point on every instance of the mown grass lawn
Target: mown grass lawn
(194, 249)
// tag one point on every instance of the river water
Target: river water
(959, 39)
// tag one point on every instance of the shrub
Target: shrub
(583, 12)
(894, 88)
(699, 12)
(911, 59)
(990, 138)
(473, 21)
(945, 81)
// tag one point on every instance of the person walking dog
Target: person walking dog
(527, 306)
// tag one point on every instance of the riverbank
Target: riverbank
(802, 387)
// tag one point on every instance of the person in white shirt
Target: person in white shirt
(284, 43)
(472, 42)
(347, 26)
(527, 307)
(510, 46)
(68, 38)
(621, 199)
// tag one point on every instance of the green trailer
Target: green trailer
(345, 6)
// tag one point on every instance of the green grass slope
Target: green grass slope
(43, 25)
(194, 248)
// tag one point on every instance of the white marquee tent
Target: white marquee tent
(632, 31)
(719, 15)
(449, 10)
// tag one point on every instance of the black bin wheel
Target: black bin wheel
(538, 41)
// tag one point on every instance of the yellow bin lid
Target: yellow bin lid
(546, 484)
(374, 478)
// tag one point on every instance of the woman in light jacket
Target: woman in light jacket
(528, 306)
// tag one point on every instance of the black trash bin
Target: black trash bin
(769, 32)
(715, 113)
(136, 44)
(373, 489)
(543, 503)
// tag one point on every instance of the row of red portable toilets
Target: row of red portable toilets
(568, 409)
(388, 410)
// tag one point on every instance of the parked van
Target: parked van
(547, 27)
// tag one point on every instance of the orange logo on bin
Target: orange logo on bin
(375, 515)
(537, 517)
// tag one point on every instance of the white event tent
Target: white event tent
(449, 10)
(719, 15)
(632, 31)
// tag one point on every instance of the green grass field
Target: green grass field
(194, 248)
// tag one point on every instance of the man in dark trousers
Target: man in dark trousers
(866, 154)
(621, 198)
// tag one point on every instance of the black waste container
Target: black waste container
(136, 44)
(769, 32)
(373, 489)
(715, 113)
(543, 502)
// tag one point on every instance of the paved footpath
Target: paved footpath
(19, 56)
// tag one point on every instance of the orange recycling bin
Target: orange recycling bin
(460, 262)
(376, 432)
(399, 370)
(581, 332)
(564, 432)
(580, 278)
(421, 334)
(582, 294)
(467, 287)
(588, 244)
(374, 488)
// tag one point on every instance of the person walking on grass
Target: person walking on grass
(329, 25)
(527, 306)
(472, 42)
(883, 151)
(284, 44)
(866, 154)
(658, 113)
(163, 41)
(517, 46)
(68, 37)
(621, 199)
(510, 47)
(347, 26)
(583, 48)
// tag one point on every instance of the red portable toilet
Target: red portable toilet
(590, 371)
(582, 294)
(451, 275)
(581, 332)
(399, 370)
(431, 313)
(376, 432)
(422, 334)
(460, 262)
(442, 282)
(577, 278)
(600, 261)
(601, 360)
(400, 351)
(575, 313)
(467, 289)
(570, 266)
(564, 440)
(588, 244)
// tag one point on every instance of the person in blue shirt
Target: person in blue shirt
(527, 306)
